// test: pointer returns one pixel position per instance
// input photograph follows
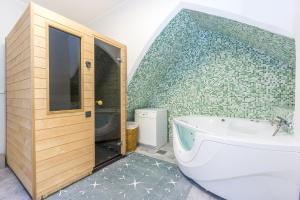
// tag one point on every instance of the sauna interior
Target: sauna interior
(65, 101)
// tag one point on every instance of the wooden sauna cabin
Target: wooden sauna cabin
(65, 98)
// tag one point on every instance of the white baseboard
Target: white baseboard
(2, 161)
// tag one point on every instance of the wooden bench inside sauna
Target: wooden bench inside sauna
(65, 100)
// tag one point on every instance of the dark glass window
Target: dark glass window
(64, 70)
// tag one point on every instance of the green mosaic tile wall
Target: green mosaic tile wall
(207, 65)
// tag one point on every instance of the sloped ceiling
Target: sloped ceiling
(80, 10)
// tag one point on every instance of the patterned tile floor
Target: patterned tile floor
(196, 192)
(137, 176)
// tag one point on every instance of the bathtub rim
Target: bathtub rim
(286, 142)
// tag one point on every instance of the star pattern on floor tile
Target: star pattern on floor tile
(157, 164)
(123, 194)
(172, 182)
(127, 164)
(148, 190)
(61, 192)
(95, 184)
(135, 183)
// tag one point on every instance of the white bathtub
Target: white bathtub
(238, 159)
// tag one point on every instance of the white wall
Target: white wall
(273, 15)
(136, 23)
(10, 11)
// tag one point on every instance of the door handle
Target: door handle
(99, 102)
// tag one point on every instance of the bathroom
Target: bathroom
(222, 75)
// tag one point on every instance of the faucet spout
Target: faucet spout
(280, 122)
(277, 130)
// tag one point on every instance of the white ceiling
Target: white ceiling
(83, 11)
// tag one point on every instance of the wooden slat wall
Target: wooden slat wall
(123, 97)
(18, 101)
(64, 142)
(49, 151)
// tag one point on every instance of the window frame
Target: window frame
(77, 34)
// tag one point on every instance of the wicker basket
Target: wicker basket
(131, 136)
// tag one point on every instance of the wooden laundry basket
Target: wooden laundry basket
(131, 136)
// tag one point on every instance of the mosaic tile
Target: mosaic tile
(207, 65)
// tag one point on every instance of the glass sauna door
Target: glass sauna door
(107, 102)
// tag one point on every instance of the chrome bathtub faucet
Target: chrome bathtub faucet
(280, 122)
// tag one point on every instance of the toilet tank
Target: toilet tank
(153, 125)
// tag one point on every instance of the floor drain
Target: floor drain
(162, 152)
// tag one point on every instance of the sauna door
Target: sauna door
(107, 102)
